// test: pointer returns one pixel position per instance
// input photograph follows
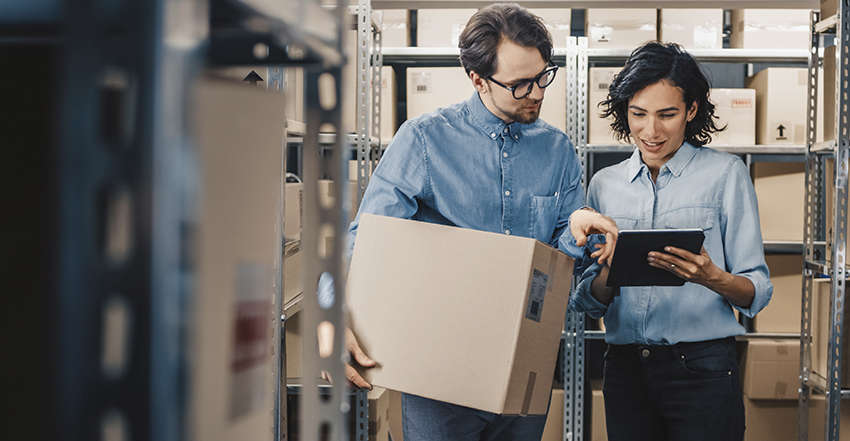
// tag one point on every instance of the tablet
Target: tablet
(629, 266)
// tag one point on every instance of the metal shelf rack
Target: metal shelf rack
(830, 385)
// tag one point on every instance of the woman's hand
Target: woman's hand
(695, 268)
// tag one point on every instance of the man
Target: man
(487, 164)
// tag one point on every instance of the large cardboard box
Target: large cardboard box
(771, 369)
(782, 314)
(829, 97)
(780, 189)
(598, 428)
(441, 27)
(620, 28)
(736, 110)
(780, 105)
(692, 28)
(396, 417)
(770, 29)
(554, 428)
(769, 420)
(294, 210)
(557, 22)
(554, 107)
(395, 28)
(379, 414)
(821, 296)
(599, 129)
(497, 319)
(237, 248)
(429, 88)
(817, 418)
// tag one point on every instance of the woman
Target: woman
(671, 365)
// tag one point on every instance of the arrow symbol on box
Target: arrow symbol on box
(253, 77)
(781, 129)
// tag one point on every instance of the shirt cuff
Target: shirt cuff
(582, 299)
(763, 294)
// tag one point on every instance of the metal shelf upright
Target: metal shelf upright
(834, 265)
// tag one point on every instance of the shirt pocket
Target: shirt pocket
(625, 222)
(544, 215)
(700, 217)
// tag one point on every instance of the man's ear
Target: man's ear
(479, 83)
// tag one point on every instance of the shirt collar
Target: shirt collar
(676, 164)
(488, 123)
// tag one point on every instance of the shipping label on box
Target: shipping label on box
(736, 111)
(771, 369)
(445, 303)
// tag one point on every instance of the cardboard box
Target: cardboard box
(782, 314)
(770, 29)
(441, 27)
(294, 346)
(379, 414)
(692, 28)
(293, 210)
(599, 129)
(237, 243)
(780, 105)
(429, 88)
(554, 107)
(395, 28)
(598, 429)
(499, 319)
(829, 97)
(771, 369)
(817, 418)
(557, 22)
(821, 296)
(620, 28)
(293, 282)
(770, 420)
(388, 103)
(828, 8)
(293, 92)
(736, 110)
(780, 189)
(396, 418)
(554, 428)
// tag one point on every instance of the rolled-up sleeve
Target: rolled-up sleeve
(587, 269)
(742, 240)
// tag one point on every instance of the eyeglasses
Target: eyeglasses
(523, 88)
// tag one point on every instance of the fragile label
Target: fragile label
(539, 282)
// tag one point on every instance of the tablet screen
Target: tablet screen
(629, 266)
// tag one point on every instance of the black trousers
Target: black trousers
(683, 392)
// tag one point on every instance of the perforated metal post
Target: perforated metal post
(324, 418)
(810, 230)
(364, 95)
(377, 82)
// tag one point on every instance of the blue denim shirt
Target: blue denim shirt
(463, 166)
(697, 188)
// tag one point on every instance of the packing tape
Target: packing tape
(529, 391)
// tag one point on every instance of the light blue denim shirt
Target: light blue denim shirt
(463, 166)
(697, 188)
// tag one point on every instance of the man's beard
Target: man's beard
(524, 116)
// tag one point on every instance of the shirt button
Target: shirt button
(508, 232)
(507, 193)
(506, 130)
(493, 135)
(644, 353)
(516, 137)
(505, 154)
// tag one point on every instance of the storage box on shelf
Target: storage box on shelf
(440, 27)
(781, 105)
(782, 314)
(829, 208)
(599, 129)
(827, 96)
(770, 420)
(770, 29)
(771, 369)
(692, 28)
(780, 191)
(620, 28)
(820, 332)
(598, 428)
(557, 22)
(736, 111)
(395, 28)
(505, 359)
(554, 428)
(828, 8)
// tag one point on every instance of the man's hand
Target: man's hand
(584, 222)
(353, 348)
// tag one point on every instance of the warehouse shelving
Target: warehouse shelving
(816, 264)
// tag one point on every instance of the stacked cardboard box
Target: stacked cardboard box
(736, 111)
(395, 28)
(692, 28)
(821, 332)
(781, 105)
(599, 129)
(620, 28)
(503, 345)
(557, 22)
(598, 428)
(554, 428)
(770, 29)
(441, 27)
(782, 314)
(780, 191)
(770, 371)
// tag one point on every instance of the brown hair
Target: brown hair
(480, 38)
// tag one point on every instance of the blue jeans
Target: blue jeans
(431, 420)
(683, 392)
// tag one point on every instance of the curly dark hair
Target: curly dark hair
(649, 64)
(480, 38)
